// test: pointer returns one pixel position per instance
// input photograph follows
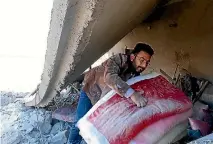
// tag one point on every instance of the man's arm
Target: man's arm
(112, 79)
(111, 75)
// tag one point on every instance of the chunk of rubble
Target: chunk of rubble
(27, 125)
(59, 138)
(56, 128)
(45, 128)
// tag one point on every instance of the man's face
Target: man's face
(141, 61)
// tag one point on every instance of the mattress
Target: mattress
(116, 120)
(174, 134)
(153, 133)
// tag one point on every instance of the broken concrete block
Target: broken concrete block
(45, 128)
(27, 127)
(59, 138)
(48, 117)
(56, 128)
(14, 138)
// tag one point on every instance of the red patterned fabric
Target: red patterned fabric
(119, 120)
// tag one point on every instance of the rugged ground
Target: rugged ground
(26, 125)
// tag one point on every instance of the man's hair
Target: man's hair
(142, 47)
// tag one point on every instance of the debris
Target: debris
(27, 125)
(45, 128)
(59, 138)
(57, 127)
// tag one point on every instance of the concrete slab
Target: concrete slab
(80, 32)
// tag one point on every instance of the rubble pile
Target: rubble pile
(28, 125)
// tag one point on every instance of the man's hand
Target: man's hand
(138, 99)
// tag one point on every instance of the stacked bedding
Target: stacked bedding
(116, 120)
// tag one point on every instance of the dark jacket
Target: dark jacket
(111, 74)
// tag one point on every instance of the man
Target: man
(112, 75)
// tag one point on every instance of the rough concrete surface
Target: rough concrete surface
(80, 32)
(182, 35)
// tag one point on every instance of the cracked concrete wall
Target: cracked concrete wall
(183, 35)
(81, 31)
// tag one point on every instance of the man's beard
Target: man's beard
(140, 69)
(137, 69)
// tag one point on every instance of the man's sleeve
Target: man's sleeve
(111, 76)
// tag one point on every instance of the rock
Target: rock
(27, 127)
(56, 128)
(48, 117)
(13, 138)
(34, 134)
(35, 117)
(5, 100)
(59, 138)
(45, 128)
(32, 140)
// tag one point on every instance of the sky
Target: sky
(24, 26)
